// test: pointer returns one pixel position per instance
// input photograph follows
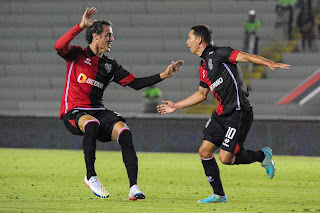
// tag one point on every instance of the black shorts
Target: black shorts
(106, 118)
(228, 131)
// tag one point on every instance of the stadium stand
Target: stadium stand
(148, 36)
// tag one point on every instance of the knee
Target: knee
(91, 127)
(125, 137)
(205, 153)
(225, 159)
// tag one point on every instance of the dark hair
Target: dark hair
(204, 32)
(96, 27)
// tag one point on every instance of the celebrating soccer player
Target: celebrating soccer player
(89, 72)
(230, 123)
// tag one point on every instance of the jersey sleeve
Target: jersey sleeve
(204, 85)
(202, 75)
(228, 54)
(62, 45)
(121, 75)
(73, 54)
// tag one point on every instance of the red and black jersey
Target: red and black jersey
(87, 75)
(219, 73)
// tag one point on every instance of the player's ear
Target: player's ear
(95, 36)
(199, 39)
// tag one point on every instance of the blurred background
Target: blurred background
(149, 34)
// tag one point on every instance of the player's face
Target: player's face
(106, 39)
(192, 42)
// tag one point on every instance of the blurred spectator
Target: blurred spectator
(317, 23)
(305, 22)
(304, 4)
(152, 97)
(252, 30)
(285, 13)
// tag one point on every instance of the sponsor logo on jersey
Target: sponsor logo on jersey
(210, 65)
(216, 83)
(88, 61)
(82, 78)
(108, 67)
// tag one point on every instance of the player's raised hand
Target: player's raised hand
(273, 66)
(86, 18)
(171, 69)
(167, 107)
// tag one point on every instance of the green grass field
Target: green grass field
(52, 181)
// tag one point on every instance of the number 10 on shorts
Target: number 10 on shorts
(229, 136)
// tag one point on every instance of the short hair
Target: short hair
(96, 27)
(204, 32)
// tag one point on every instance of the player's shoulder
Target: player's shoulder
(222, 49)
(217, 52)
(78, 48)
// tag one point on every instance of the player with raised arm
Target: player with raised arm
(230, 123)
(89, 72)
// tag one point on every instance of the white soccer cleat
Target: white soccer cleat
(95, 185)
(135, 193)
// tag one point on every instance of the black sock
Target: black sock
(212, 172)
(248, 156)
(129, 156)
(89, 147)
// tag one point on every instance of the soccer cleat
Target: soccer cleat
(135, 193)
(267, 162)
(213, 198)
(95, 185)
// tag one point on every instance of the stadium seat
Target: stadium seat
(35, 20)
(303, 58)
(34, 70)
(174, 7)
(137, 45)
(18, 45)
(47, 7)
(227, 7)
(274, 85)
(9, 32)
(295, 72)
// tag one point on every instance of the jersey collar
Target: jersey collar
(89, 51)
(206, 50)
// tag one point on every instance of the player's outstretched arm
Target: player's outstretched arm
(172, 69)
(245, 57)
(139, 83)
(63, 43)
(169, 106)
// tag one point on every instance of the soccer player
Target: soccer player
(89, 72)
(229, 124)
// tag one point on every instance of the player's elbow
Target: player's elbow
(203, 97)
(58, 46)
(135, 87)
(62, 48)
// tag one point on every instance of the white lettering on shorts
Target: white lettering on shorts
(208, 122)
(229, 136)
